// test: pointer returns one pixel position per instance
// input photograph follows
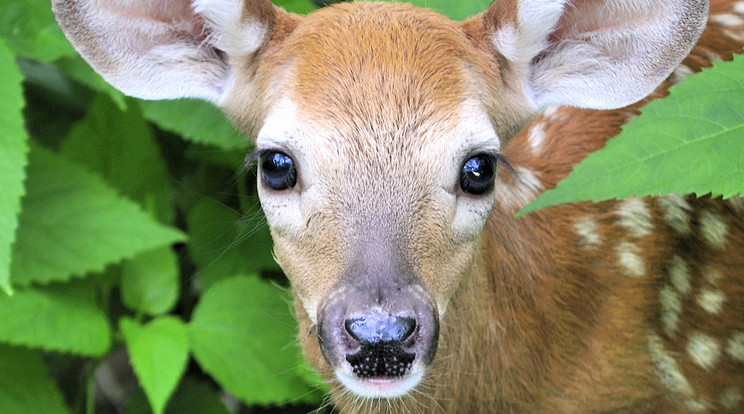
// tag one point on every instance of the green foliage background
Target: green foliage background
(133, 226)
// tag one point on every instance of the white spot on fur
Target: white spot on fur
(536, 137)
(714, 229)
(524, 189)
(727, 20)
(737, 203)
(666, 367)
(631, 263)
(738, 37)
(676, 213)
(711, 300)
(630, 114)
(703, 350)
(554, 113)
(735, 347)
(635, 217)
(730, 398)
(695, 406)
(587, 229)
(709, 54)
(671, 307)
(681, 73)
(679, 275)
(738, 7)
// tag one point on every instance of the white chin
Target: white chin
(379, 387)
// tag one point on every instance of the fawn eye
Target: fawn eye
(477, 174)
(278, 170)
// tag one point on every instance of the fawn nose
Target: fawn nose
(382, 348)
(380, 328)
(379, 333)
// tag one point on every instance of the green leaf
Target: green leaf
(149, 282)
(456, 10)
(243, 333)
(59, 317)
(191, 397)
(223, 245)
(72, 223)
(13, 147)
(78, 69)
(121, 147)
(296, 6)
(158, 353)
(25, 386)
(689, 142)
(195, 120)
(31, 30)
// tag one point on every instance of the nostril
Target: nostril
(380, 328)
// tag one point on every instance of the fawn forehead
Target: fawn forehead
(379, 80)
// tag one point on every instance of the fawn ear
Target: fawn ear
(598, 54)
(167, 49)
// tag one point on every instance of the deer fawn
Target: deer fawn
(379, 128)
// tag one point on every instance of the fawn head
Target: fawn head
(378, 128)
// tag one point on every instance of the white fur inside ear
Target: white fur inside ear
(595, 54)
(229, 31)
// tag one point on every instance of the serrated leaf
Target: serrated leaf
(191, 397)
(72, 223)
(25, 385)
(690, 142)
(195, 120)
(31, 31)
(121, 147)
(222, 244)
(59, 317)
(244, 335)
(149, 282)
(13, 146)
(158, 353)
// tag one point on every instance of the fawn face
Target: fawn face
(379, 127)
(375, 194)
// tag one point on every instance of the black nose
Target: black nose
(377, 328)
(381, 338)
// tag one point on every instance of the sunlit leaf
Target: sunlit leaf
(59, 317)
(150, 281)
(191, 397)
(456, 10)
(31, 30)
(121, 147)
(72, 223)
(196, 121)
(158, 352)
(243, 333)
(690, 142)
(13, 147)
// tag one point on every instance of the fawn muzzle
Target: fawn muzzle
(378, 336)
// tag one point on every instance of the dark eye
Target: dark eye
(477, 174)
(278, 170)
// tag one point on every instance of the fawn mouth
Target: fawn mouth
(382, 387)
